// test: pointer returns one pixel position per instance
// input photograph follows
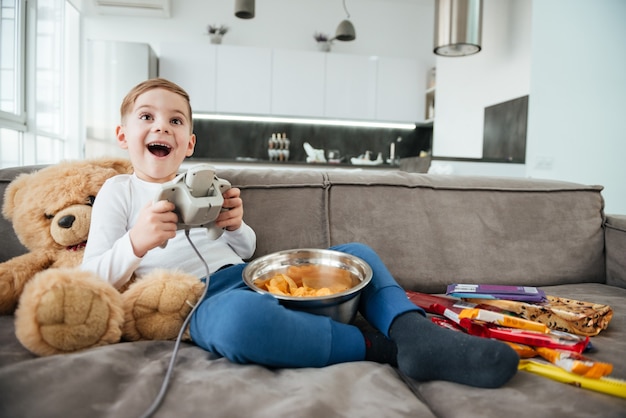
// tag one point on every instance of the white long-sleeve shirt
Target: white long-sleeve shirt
(109, 252)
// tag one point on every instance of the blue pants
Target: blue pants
(248, 327)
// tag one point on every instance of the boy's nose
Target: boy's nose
(161, 126)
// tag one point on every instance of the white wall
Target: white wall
(578, 95)
(398, 28)
(466, 85)
(570, 57)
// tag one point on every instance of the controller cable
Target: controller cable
(170, 368)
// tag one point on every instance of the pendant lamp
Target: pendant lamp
(458, 27)
(345, 31)
(244, 9)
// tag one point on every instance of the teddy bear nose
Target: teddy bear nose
(66, 221)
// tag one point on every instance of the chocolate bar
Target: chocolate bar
(487, 291)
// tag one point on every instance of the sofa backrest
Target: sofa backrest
(430, 230)
(434, 230)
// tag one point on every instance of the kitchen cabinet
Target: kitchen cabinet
(243, 77)
(398, 90)
(350, 87)
(264, 81)
(191, 66)
(298, 79)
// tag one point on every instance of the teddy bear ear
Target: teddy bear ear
(11, 195)
(120, 165)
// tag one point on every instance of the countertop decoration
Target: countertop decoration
(366, 159)
(323, 41)
(314, 155)
(216, 33)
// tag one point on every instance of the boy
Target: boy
(232, 320)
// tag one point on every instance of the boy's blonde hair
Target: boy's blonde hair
(154, 83)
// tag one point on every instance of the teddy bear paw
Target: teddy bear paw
(157, 305)
(66, 310)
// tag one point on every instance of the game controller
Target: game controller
(197, 195)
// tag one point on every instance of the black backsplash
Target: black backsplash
(227, 140)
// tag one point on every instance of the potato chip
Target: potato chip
(308, 280)
(281, 284)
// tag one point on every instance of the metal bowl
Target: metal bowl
(340, 306)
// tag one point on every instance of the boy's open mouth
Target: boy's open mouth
(158, 149)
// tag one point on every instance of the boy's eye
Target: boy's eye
(145, 117)
(177, 121)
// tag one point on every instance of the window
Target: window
(11, 61)
(10, 147)
(39, 54)
(12, 110)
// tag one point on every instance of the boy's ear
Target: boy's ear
(121, 137)
(191, 146)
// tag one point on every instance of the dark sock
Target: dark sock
(429, 352)
(380, 349)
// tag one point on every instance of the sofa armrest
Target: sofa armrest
(615, 250)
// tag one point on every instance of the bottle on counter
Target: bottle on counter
(278, 147)
(286, 143)
(394, 158)
(272, 147)
(281, 147)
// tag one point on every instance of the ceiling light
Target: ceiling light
(345, 31)
(458, 27)
(244, 9)
(303, 121)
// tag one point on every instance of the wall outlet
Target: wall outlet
(544, 163)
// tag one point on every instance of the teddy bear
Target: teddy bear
(58, 307)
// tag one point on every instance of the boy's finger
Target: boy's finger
(162, 206)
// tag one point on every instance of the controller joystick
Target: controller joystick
(197, 195)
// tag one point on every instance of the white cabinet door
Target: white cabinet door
(244, 77)
(191, 66)
(400, 90)
(350, 86)
(298, 83)
(262, 81)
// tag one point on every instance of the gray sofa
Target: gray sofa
(431, 231)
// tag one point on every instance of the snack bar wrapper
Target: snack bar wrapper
(569, 315)
(489, 291)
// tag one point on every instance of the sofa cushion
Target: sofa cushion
(121, 380)
(286, 209)
(434, 230)
(437, 230)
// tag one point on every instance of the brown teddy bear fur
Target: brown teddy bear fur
(64, 310)
(60, 308)
(38, 204)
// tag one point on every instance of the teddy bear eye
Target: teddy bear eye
(48, 216)
(90, 200)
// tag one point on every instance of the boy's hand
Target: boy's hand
(232, 218)
(155, 225)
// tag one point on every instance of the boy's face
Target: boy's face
(157, 134)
